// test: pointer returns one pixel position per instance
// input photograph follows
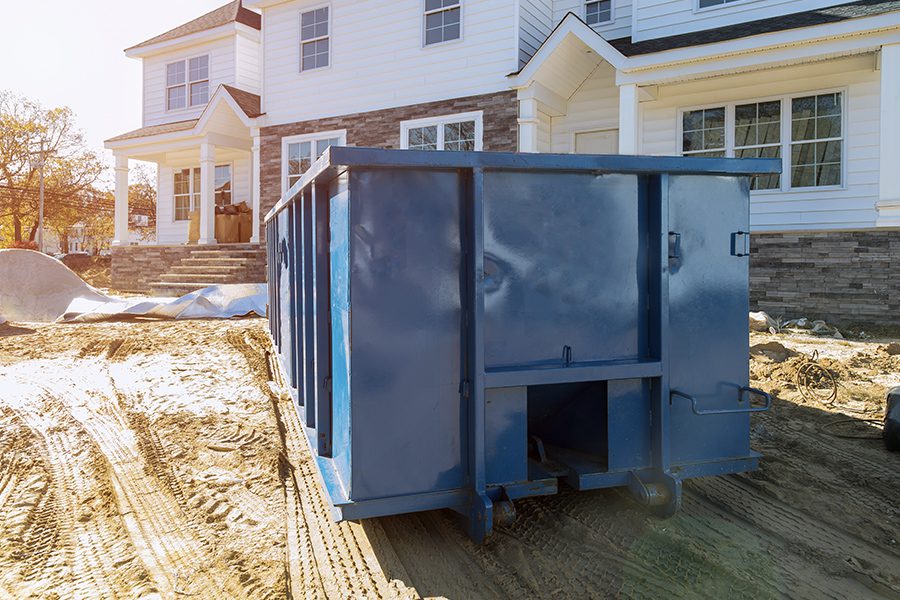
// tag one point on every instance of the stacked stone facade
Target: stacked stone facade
(381, 129)
(134, 268)
(844, 277)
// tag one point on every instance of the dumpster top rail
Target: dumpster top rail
(327, 166)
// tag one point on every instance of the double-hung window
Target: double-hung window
(187, 188)
(187, 192)
(315, 39)
(598, 12)
(223, 185)
(300, 152)
(451, 132)
(187, 83)
(816, 140)
(805, 131)
(443, 21)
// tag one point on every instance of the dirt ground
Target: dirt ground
(150, 459)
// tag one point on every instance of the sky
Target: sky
(70, 53)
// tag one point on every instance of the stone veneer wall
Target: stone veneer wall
(844, 277)
(134, 268)
(381, 129)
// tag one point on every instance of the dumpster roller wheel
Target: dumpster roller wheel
(662, 495)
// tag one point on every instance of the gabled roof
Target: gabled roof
(233, 12)
(819, 16)
(247, 102)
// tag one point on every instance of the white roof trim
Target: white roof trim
(185, 41)
(791, 45)
(570, 25)
(198, 130)
(222, 95)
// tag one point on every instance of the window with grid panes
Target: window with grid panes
(314, 39)
(757, 134)
(442, 21)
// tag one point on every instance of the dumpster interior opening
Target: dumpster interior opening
(568, 426)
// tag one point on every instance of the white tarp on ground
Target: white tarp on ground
(37, 288)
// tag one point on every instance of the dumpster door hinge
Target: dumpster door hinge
(464, 388)
(740, 243)
(674, 245)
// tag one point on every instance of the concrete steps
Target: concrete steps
(206, 266)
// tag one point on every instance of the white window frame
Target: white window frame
(699, 9)
(187, 83)
(612, 12)
(787, 140)
(329, 36)
(230, 166)
(439, 122)
(425, 14)
(341, 134)
(191, 191)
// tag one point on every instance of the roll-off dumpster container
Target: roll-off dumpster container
(462, 329)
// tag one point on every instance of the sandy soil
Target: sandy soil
(153, 459)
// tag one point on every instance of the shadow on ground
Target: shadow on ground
(820, 519)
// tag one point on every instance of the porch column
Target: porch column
(889, 175)
(121, 213)
(207, 194)
(254, 186)
(529, 123)
(628, 118)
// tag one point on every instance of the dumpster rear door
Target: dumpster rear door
(709, 302)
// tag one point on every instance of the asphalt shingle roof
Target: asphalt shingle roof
(233, 12)
(820, 16)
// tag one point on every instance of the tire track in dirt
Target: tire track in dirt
(95, 555)
(324, 559)
(844, 550)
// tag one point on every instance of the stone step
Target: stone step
(209, 268)
(218, 260)
(201, 278)
(227, 253)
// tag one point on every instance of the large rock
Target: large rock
(892, 421)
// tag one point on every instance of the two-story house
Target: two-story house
(239, 102)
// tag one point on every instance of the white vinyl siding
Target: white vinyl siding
(378, 45)
(593, 107)
(221, 55)
(661, 18)
(848, 206)
(618, 27)
(535, 24)
(247, 67)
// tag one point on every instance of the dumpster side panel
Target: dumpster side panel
(285, 295)
(405, 314)
(340, 332)
(709, 302)
(565, 266)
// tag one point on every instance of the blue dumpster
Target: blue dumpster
(463, 329)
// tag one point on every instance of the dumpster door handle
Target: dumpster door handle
(745, 391)
(740, 243)
(674, 244)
